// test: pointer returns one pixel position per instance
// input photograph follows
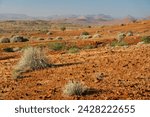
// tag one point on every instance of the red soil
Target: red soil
(126, 69)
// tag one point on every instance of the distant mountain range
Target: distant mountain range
(100, 19)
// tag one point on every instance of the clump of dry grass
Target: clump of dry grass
(121, 36)
(4, 40)
(74, 88)
(33, 58)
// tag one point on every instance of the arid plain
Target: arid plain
(110, 72)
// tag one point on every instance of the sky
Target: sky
(115, 8)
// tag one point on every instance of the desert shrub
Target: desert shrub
(74, 88)
(88, 47)
(63, 28)
(40, 39)
(103, 26)
(146, 39)
(89, 26)
(122, 24)
(8, 49)
(116, 43)
(57, 46)
(73, 49)
(130, 33)
(45, 31)
(4, 40)
(33, 58)
(121, 36)
(18, 39)
(12, 49)
(84, 33)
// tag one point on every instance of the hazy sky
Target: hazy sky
(116, 8)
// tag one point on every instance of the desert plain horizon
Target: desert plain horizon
(77, 57)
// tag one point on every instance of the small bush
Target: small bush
(130, 33)
(57, 46)
(33, 58)
(12, 49)
(8, 49)
(63, 28)
(121, 36)
(74, 88)
(84, 33)
(89, 26)
(116, 43)
(4, 40)
(40, 39)
(88, 47)
(146, 39)
(73, 49)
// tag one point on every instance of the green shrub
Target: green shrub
(57, 46)
(84, 33)
(63, 28)
(8, 49)
(146, 39)
(88, 47)
(116, 43)
(74, 88)
(73, 49)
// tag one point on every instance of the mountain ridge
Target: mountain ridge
(100, 19)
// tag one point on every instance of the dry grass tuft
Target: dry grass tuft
(33, 58)
(74, 88)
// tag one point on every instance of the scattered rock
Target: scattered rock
(49, 33)
(40, 39)
(16, 49)
(140, 43)
(18, 39)
(85, 36)
(130, 33)
(100, 77)
(50, 38)
(58, 38)
(96, 36)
